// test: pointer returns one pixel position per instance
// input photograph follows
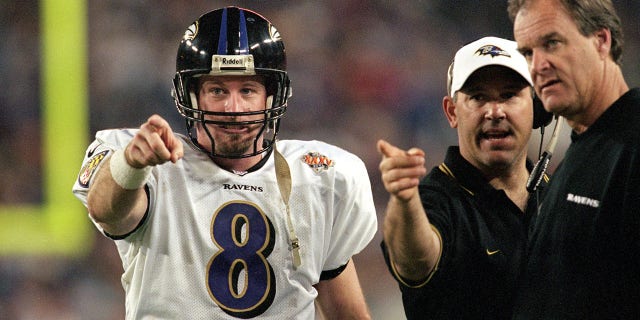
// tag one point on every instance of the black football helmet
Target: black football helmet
(231, 41)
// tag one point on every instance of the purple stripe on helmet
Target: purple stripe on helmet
(244, 40)
(222, 41)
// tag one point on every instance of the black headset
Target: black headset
(541, 117)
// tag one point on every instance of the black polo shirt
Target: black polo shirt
(585, 246)
(484, 238)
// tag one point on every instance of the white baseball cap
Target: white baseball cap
(485, 52)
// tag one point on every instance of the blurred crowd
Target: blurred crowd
(360, 70)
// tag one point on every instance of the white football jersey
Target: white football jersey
(215, 245)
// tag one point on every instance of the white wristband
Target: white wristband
(126, 176)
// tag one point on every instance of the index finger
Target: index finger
(159, 124)
(388, 150)
(171, 142)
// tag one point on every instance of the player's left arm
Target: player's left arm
(341, 297)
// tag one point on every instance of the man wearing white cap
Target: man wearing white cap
(455, 241)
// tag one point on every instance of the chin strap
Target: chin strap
(283, 176)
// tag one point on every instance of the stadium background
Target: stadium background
(361, 70)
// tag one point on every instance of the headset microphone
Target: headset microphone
(537, 174)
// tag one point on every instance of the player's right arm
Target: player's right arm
(117, 209)
(413, 246)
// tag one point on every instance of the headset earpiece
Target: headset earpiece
(541, 117)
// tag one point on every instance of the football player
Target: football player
(225, 221)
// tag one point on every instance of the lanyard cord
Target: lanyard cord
(283, 176)
(540, 169)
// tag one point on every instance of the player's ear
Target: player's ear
(602, 40)
(449, 108)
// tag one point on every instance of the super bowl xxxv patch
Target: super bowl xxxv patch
(317, 161)
(89, 169)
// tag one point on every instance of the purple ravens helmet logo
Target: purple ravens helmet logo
(492, 50)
